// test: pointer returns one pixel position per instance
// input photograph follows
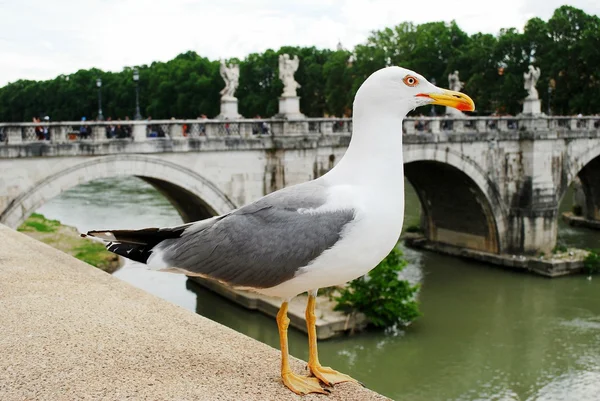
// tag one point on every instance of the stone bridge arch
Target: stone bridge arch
(461, 206)
(193, 196)
(585, 166)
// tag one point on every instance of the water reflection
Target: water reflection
(485, 334)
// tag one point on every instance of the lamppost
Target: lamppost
(99, 85)
(432, 106)
(136, 78)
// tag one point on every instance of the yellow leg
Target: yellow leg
(325, 374)
(298, 384)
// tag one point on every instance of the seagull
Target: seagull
(317, 234)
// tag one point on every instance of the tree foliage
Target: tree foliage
(381, 295)
(566, 48)
(591, 263)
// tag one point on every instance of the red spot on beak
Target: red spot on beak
(464, 107)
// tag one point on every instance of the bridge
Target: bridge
(489, 184)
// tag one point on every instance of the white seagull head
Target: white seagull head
(398, 90)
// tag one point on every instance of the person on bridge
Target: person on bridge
(317, 234)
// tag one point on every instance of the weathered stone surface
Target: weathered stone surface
(532, 107)
(289, 107)
(229, 109)
(70, 331)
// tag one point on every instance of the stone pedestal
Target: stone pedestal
(289, 107)
(139, 132)
(532, 107)
(229, 109)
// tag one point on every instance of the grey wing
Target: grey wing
(262, 244)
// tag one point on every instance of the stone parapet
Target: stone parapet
(71, 331)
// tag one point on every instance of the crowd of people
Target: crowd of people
(123, 128)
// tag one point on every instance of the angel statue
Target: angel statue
(287, 68)
(454, 82)
(231, 75)
(531, 77)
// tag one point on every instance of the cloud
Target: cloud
(41, 39)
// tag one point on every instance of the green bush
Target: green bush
(592, 261)
(381, 295)
(560, 249)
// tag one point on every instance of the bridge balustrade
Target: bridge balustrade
(72, 131)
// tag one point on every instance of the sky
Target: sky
(41, 39)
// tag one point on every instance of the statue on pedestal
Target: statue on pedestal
(532, 106)
(454, 82)
(287, 68)
(231, 75)
(531, 77)
(229, 103)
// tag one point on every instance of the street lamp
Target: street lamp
(136, 78)
(99, 85)
(432, 106)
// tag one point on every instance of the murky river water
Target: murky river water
(485, 333)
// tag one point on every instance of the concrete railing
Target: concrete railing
(60, 132)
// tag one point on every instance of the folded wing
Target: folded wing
(260, 245)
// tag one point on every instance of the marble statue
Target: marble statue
(531, 77)
(287, 67)
(231, 76)
(454, 82)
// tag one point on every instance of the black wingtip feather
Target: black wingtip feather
(137, 245)
(136, 252)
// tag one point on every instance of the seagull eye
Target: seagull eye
(409, 80)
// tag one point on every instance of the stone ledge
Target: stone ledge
(543, 267)
(70, 331)
(579, 221)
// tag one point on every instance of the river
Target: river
(485, 333)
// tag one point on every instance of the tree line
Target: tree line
(566, 48)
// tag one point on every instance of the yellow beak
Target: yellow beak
(450, 98)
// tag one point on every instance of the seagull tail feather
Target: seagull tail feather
(136, 245)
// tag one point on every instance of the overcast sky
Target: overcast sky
(40, 39)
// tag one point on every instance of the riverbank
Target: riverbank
(67, 239)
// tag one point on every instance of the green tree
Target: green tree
(566, 48)
(259, 85)
(337, 72)
(381, 295)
